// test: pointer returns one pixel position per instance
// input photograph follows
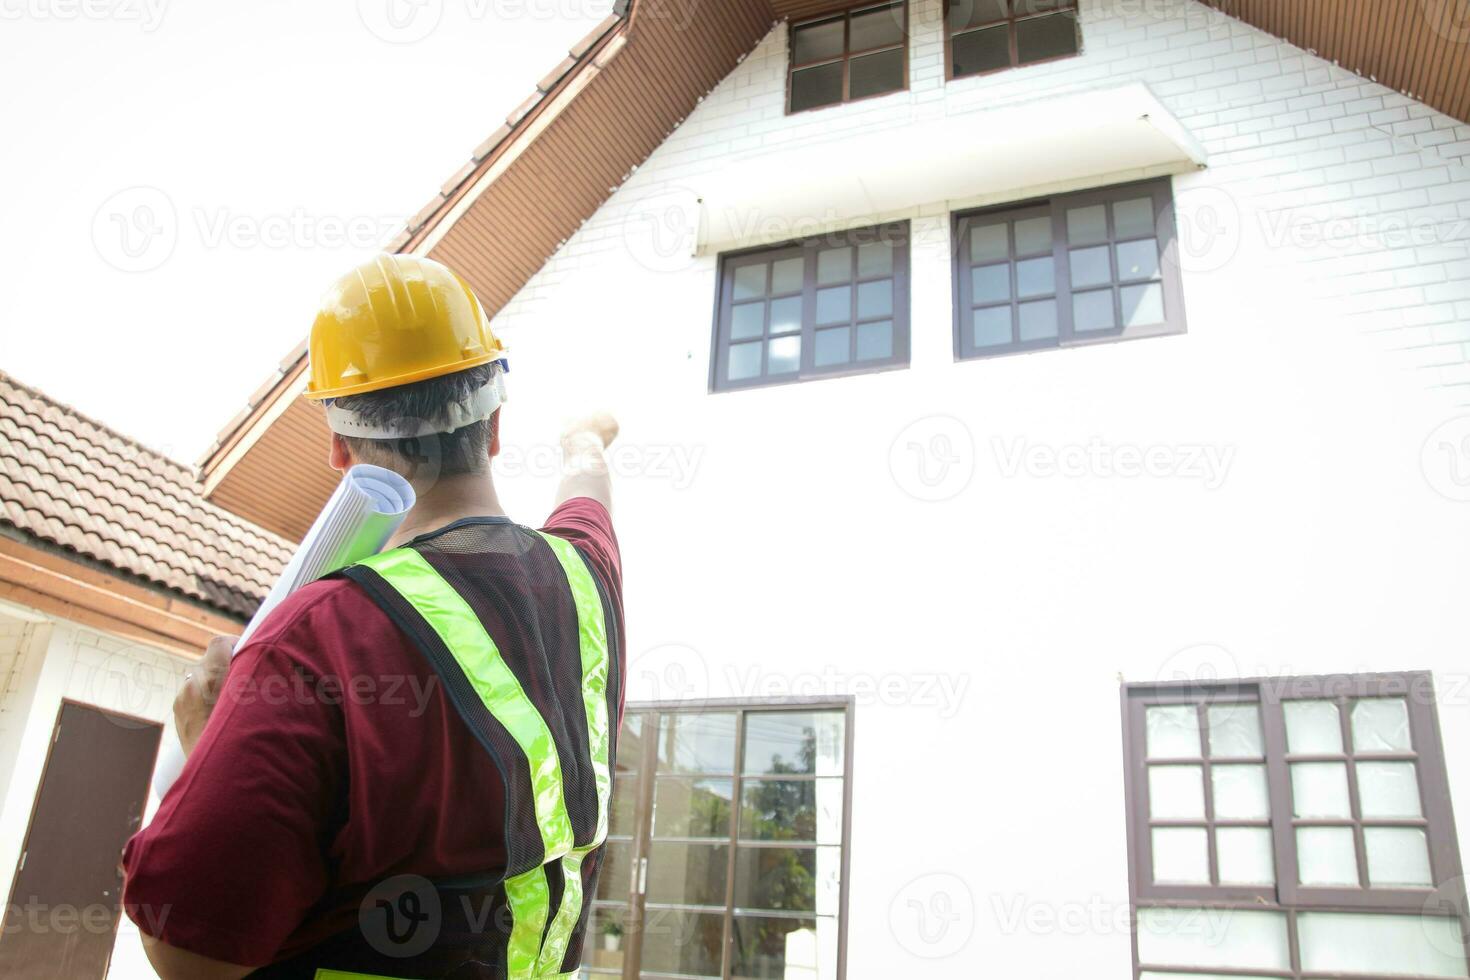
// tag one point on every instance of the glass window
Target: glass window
(855, 55)
(833, 304)
(727, 842)
(989, 35)
(1297, 798)
(1075, 269)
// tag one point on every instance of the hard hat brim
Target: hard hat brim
(404, 379)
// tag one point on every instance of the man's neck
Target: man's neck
(444, 501)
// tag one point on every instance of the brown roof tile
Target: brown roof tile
(73, 482)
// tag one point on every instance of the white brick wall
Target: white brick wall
(1324, 364)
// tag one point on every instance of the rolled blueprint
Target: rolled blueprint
(366, 508)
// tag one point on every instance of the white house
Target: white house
(1045, 474)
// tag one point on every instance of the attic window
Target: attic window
(854, 55)
(983, 36)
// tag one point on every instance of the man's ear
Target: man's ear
(495, 432)
(339, 456)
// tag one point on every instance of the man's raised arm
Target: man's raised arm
(584, 463)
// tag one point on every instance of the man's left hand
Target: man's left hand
(201, 690)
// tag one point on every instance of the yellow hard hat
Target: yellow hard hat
(394, 320)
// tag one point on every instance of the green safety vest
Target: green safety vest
(485, 690)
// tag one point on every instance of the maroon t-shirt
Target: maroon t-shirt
(333, 758)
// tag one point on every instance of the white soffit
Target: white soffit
(993, 155)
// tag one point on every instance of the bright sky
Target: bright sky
(181, 179)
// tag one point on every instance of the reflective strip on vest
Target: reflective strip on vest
(528, 895)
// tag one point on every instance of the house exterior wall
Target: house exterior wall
(60, 660)
(952, 543)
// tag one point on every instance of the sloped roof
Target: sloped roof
(69, 481)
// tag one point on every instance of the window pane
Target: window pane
(787, 879)
(875, 260)
(1025, 8)
(1181, 856)
(615, 881)
(745, 361)
(786, 315)
(984, 50)
(1326, 856)
(685, 943)
(1240, 792)
(1142, 304)
(992, 326)
(1388, 789)
(1087, 225)
(1319, 789)
(786, 742)
(697, 741)
(1138, 260)
(1090, 266)
(1133, 218)
(786, 275)
(1038, 320)
(1380, 725)
(783, 355)
(747, 320)
(1046, 37)
(990, 283)
(875, 28)
(1349, 942)
(1397, 856)
(1172, 731)
(1176, 792)
(1312, 728)
(1239, 940)
(750, 281)
(1033, 235)
(684, 807)
(767, 948)
(989, 242)
(874, 74)
(1245, 856)
(834, 265)
(624, 805)
(1036, 277)
(1235, 731)
(813, 42)
(813, 87)
(603, 949)
(790, 809)
(875, 341)
(1093, 311)
(834, 305)
(687, 874)
(833, 347)
(875, 298)
(968, 13)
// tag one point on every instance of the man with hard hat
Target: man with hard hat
(406, 771)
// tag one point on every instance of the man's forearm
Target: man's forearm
(584, 460)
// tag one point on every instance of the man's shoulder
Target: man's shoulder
(329, 609)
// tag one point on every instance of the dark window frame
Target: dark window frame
(1446, 897)
(792, 65)
(1165, 233)
(642, 838)
(895, 233)
(1010, 20)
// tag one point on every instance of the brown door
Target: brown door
(64, 905)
